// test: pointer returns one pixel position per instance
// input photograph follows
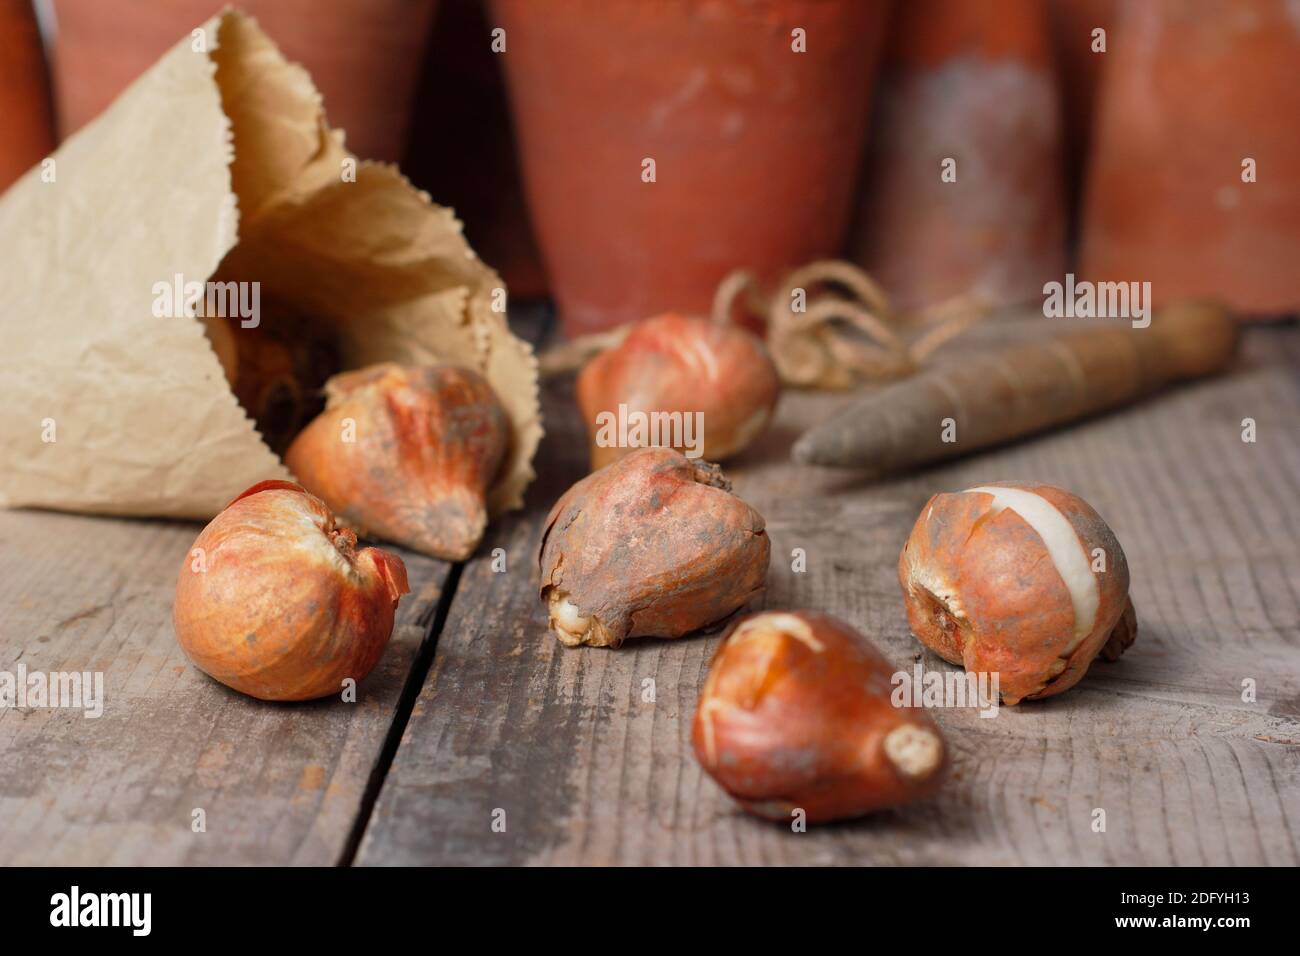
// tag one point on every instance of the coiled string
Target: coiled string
(829, 325)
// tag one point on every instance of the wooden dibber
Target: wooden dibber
(1006, 394)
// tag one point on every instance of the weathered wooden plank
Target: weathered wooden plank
(278, 783)
(588, 770)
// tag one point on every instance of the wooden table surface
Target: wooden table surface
(480, 740)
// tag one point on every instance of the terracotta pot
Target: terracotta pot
(363, 55)
(754, 144)
(462, 99)
(973, 82)
(26, 124)
(1196, 88)
(1080, 69)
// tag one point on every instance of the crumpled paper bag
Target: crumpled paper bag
(217, 160)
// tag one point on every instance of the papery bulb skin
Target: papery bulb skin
(674, 364)
(1019, 579)
(654, 545)
(797, 714)
(407, 454)
(277, 602)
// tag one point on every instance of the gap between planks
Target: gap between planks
(590, 775)
(534, 324)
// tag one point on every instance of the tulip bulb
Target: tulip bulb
(796, 715)
(676, 365)
(407, 454)
(655, 545)
(1022, 580)
(276, 601)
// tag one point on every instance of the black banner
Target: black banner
(329, 905)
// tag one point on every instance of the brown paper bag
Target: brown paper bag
(218, 156)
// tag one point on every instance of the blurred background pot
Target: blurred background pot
(26, 123)
(1080, 71)
(363, 55)
(1195, 88)
(462, 100)
(754, 145)
(973, 82)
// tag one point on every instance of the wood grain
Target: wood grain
(279, 783)
(587, 770)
